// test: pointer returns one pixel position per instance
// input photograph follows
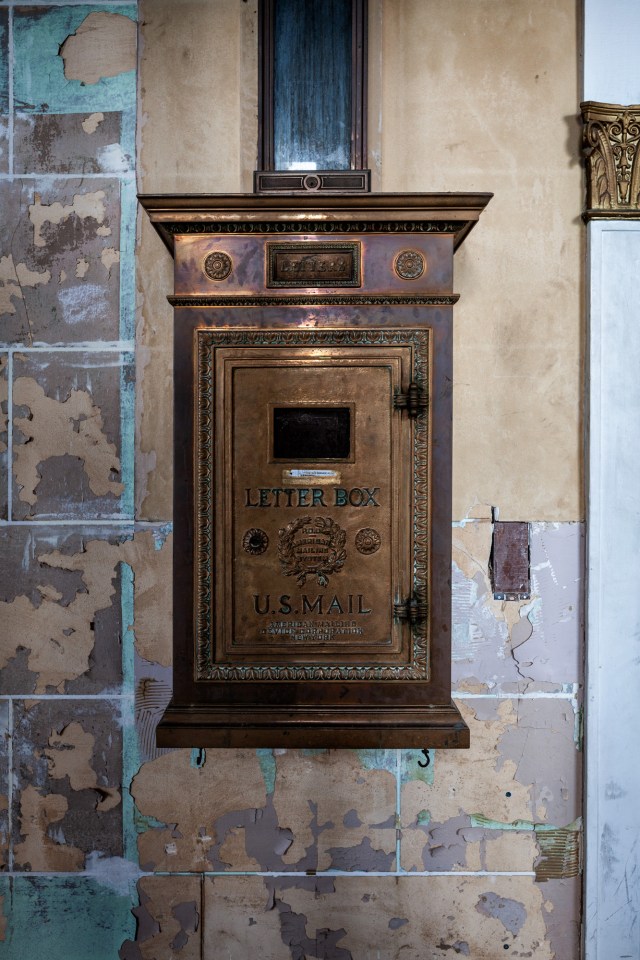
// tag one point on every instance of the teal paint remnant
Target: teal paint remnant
(70, 917)
(143, 822)
(478, 820)
(128, 635)
(40, 85)
(160, 535)
(198, 758)
(127, 434)
(267, 762)
(130, 764)
(4, 61)
(128, 143)
(379, 760)
(423, 818)
(128, 213)
(411, 766)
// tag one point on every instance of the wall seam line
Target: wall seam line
(9, 439)
(10, 784)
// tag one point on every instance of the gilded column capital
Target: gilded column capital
(610, 138)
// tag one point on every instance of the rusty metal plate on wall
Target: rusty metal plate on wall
(313, 549)
(313, 264)
(510, 565)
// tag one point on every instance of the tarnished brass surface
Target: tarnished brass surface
(312, 493)
(453, 214)
(611, 136)
(312, 265)
(438, 725)
(315, 549)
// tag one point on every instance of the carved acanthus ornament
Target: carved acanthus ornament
(611, 135)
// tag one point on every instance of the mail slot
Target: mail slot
(312, 457)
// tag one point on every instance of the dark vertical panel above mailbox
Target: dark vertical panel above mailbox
(312, 510)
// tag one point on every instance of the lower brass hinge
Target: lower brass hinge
(413, 609)
(414, 401)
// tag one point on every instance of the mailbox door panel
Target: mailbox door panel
(313, 505)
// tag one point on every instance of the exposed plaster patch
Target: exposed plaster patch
(113, 159)
(84, 206)
(234, 851)
(493, 622)
(104, 45)
(109, 257)
(523, 762)
(15, 276)
(439, 910)
(349, 811)
(82, 268)
(70, 754)
(229, 782)
(72, 426)
(152, 566)
(478, 510)
(116, 873)
(38, 851)
(510, 913)
(92, 122)
(517, 646)
(168, 920)
(60, 636)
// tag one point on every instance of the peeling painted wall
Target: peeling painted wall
(109, 845)
(69, 542)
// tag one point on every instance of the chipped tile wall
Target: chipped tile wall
(69, 542)
(110, 846)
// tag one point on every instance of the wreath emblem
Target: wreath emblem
(312, 546)
(409, 264)
(218, 265)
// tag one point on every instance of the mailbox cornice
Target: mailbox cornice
(422, 213)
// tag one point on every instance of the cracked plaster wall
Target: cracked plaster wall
(117, 848)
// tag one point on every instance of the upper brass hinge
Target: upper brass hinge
(414, 401)
(414, 609)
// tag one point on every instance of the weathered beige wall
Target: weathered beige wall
(197, 133)
(478, 96)
(483, 96)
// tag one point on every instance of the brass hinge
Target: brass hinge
(414, 401)
(413, 609)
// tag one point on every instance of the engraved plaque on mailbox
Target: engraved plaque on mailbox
(313, 264)
(319, 529)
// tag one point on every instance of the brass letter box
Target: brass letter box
(313, 470)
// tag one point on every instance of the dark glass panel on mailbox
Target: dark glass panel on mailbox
(312, 84)
(311, 433)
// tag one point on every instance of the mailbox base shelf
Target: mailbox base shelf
(192, 725)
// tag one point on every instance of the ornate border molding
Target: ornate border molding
(610, 137)
(312, 226)
(206, 343)
(375, 300)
